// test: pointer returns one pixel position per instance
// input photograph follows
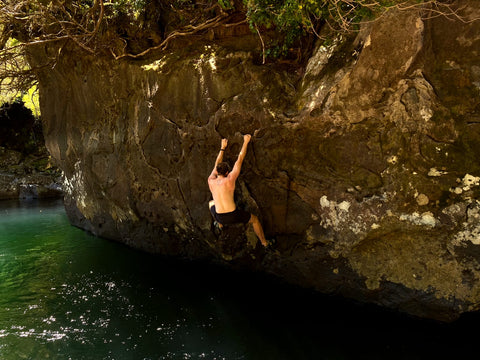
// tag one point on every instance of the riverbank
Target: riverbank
(28, 176)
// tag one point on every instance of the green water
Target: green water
(65, 294)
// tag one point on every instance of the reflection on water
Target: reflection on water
(65, 294)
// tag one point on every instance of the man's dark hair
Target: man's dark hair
(223, 168)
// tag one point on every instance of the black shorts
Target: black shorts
(235, 217)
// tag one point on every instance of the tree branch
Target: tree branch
(186, 31)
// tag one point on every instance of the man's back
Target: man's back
(222, 189)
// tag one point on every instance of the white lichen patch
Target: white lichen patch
(434, 172)
(336, 213)
(471, 227)
(425, 219)
(392, 159)
(344, 205)
(324, 202)
(454, 209)
(347, 216)
(471, 235)
(469, 181)
(426, 114)
(457, 190)
(465, 184)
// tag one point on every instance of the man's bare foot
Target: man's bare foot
(268, 244)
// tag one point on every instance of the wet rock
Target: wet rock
(28, 176)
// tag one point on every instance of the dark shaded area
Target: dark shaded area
(19, 130)
(26, 169)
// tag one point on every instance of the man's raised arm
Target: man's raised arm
(219, 159)
(238, 164)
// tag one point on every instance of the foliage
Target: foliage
(31, 101)
(16, 76)
(129, 6)
(226, 4)
(293, 19)
(27, 23)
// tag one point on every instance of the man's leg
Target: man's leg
(257, 227)
(211, 204)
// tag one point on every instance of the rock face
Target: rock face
(363, 164)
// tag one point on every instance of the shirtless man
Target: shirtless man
(222, 186)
